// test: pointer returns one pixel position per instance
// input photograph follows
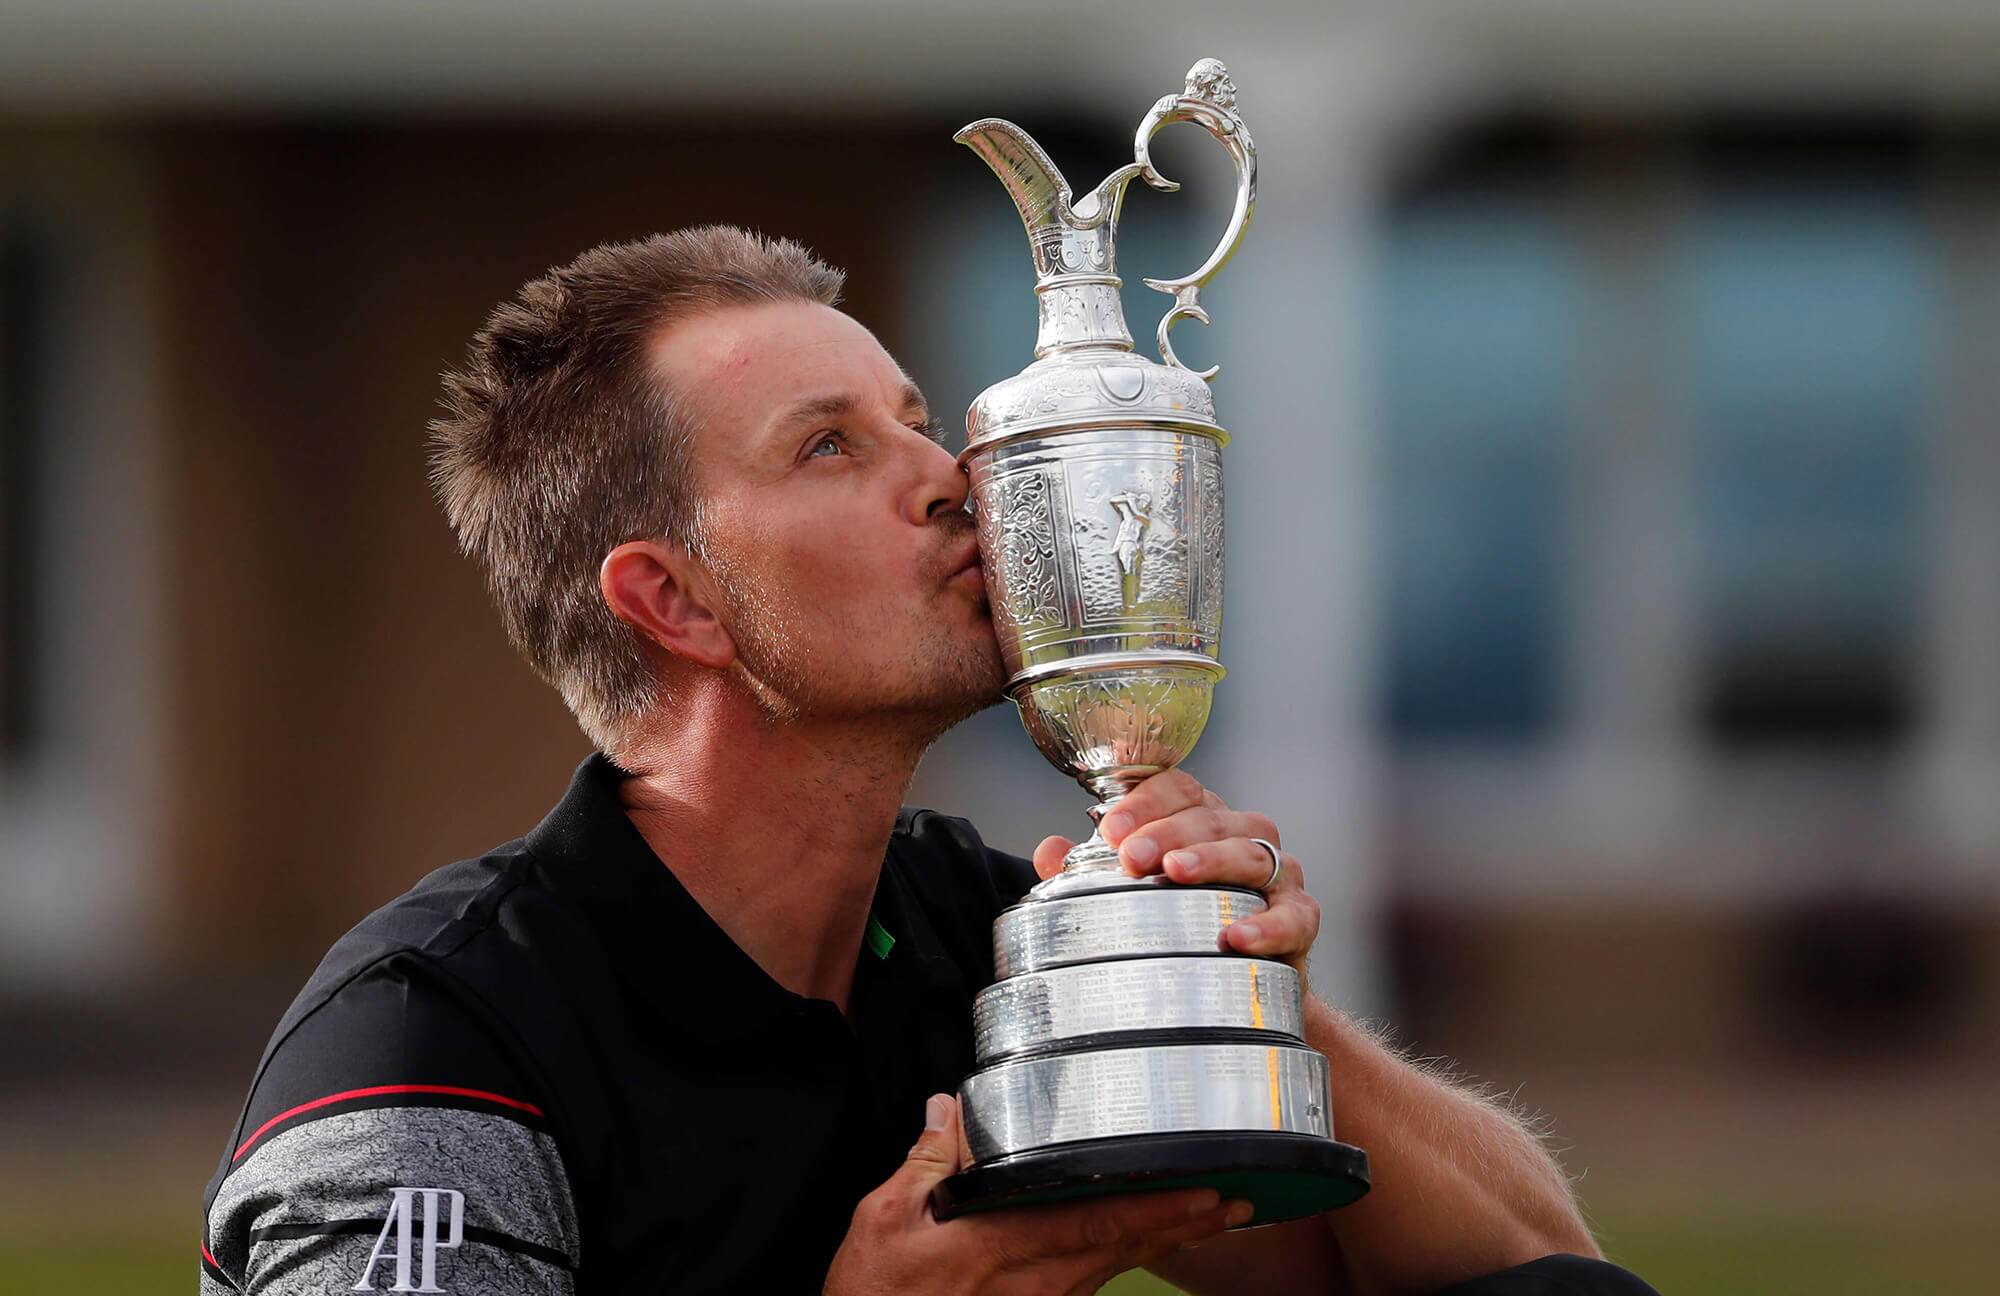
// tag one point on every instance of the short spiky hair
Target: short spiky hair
(559, 443)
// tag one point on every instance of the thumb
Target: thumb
(1049, 856)
(935, 1156)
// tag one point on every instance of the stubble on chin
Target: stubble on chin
(936, 681)
(977, 678)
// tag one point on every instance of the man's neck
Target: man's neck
(777, 829)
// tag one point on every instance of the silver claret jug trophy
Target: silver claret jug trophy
(1120, 1048)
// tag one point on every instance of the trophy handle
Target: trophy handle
(1209, 101)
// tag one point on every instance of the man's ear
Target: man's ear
(657, 590)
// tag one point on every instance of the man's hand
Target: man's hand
(895, 1245)
(1172, 824)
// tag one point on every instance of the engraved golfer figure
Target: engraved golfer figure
(1134, 511)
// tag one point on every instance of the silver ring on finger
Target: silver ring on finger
(1277, 863)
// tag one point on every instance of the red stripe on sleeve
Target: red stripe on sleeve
(449, 1090)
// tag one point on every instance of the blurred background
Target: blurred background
(1614, 616)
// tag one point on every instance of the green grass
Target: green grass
(1893, 1246)
(99, 1269)
(1775, 1251)
(1745, 1250)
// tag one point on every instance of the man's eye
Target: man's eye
(827, 446)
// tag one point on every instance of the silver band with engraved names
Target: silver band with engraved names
(1132, 923)
(1063, 1005)
(1124, 1093)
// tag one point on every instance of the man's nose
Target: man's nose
(941, 487)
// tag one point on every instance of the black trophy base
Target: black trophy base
(1284, 1176)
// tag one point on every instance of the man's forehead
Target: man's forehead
(761, 363)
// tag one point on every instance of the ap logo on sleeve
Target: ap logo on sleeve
(399, 1238)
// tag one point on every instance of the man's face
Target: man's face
(832, 521)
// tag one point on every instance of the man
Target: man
(680, 1036)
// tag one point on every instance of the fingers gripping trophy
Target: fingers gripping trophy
(1120, 1048)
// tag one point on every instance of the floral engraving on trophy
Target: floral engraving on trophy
(1079, 314)
(1209, 570)
(1104, 322)
(1023, 529)
(1073, 313)
(1047, 245)
(1060, 392)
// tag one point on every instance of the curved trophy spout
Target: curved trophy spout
(1036, 184)
(1075, 266)
(1032, 179)
(1076, 272)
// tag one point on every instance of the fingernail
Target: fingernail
(937, 1113)
(1141, 850)
(1251, 931)
(1239, 1214)
(1184, 860)
(1114, 827)
(1203, 1204)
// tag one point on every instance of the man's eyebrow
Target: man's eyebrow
(913, 399)
(838, 405)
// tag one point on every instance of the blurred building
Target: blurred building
(1615, 499)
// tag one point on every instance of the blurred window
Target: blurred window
(1810, 297)
(1478, 345)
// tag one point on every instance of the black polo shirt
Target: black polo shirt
(548, 1070)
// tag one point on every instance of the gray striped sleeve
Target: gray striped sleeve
(398, 1199)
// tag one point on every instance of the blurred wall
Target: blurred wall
(337, 674)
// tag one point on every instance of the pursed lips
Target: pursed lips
(968, 563)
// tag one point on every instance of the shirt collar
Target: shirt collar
(669, 951)
(590, 850)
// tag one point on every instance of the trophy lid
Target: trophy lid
(1106, 389)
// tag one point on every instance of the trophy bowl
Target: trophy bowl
(1117, 723)
(1121, 1047)
(1103, 545)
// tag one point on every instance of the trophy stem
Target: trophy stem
(1094, 854)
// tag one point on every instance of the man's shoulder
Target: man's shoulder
(468, 923)
(430, 987)
(414, 1058)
